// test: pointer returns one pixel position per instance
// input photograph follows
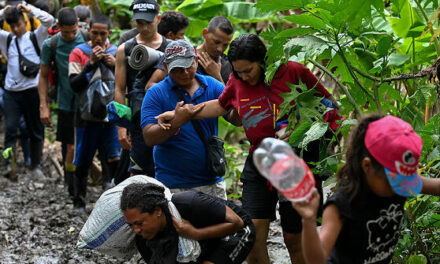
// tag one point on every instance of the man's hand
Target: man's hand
(211, 67)
(184, 112)
(286, 136)
(109, 60)
(45, 114)
(123, 138)
(185, 228)
(97, 54)
(6, 8)
(164, 119)
(23, 8)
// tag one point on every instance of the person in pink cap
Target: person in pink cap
(362, 220)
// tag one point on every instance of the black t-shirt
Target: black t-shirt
(369, 233)
(201, 210)
(225, 70)
(128, 35)
(145, 75)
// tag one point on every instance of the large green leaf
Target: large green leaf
(244, 12)
(298, 133)
(124, 3)
(292, 32)
(316, 131)
(397, 59)
(384, 45)
(195, 27)
(407, 19)
(340, 69)
(354, 12)
(202, 9)
(306, 20)
(310, 42)
(417, 259)
(281, 5)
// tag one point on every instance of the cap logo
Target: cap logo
(405, 170)
(408, 157)
(175, 51)
(143, 7)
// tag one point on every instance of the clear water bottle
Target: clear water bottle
(289, 174)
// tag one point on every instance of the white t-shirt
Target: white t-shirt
(15, 81)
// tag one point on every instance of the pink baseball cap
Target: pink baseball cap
(395, 145)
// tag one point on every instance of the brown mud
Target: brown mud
(38, 224)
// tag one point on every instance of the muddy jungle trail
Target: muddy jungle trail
(38, 223)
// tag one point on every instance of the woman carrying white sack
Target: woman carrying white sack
(224, 231)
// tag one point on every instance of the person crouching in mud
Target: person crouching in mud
(224, 231)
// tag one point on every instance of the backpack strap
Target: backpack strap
(31, 21)
(85, 34)
(53, 48)
(8, 41)
(129, 45)
(111, 50)
(86, 49)
(33, 38)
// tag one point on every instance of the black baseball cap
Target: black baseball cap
(144, 9)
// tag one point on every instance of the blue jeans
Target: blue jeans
(96, 136)
(24, 104)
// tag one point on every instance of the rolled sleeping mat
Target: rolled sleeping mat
(143, 57)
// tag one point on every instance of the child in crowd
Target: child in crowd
(362, 220)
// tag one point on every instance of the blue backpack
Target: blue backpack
(101, 90)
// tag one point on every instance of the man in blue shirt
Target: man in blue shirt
(179, 153)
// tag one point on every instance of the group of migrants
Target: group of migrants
(179, 99)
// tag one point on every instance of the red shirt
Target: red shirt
(258, 106)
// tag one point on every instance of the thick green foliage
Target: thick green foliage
(361, 44)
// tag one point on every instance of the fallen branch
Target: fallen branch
(429, 72)
(57, 166)
(340, 84)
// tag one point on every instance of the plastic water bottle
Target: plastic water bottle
(289, 174)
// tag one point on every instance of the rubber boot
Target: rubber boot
(36, 155)
(80, 189)
(108, 170)
(68, 181)
(24, 143)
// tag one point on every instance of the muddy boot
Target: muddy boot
(36, 154)
(24, 142)
(10, 172)
(68, 181)
(80, 189)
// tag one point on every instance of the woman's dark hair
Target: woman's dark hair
(143, 196)
(13, 15)
(247, 47)
(172, 21)
(351, 176)
(67, 17)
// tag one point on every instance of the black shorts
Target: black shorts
(66, 127)
(259, 199)
(231, 249)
